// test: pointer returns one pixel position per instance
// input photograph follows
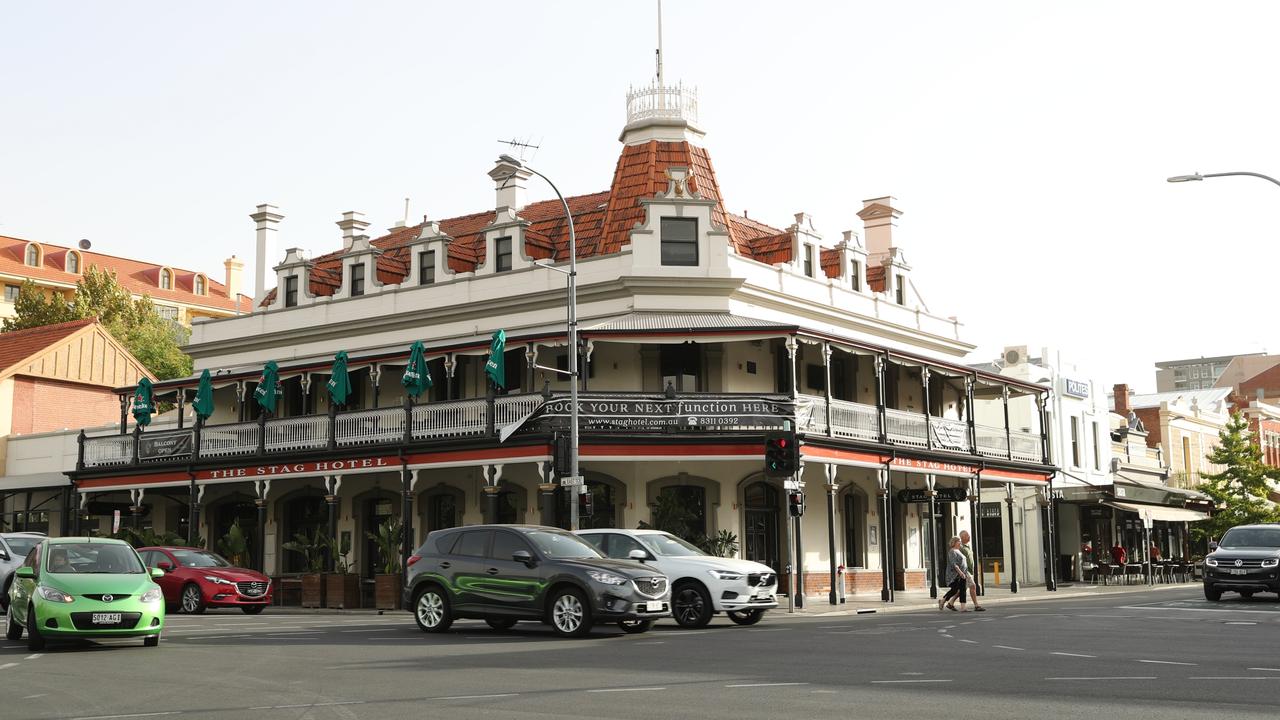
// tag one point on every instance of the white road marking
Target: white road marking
(1166, 662)
(652, 642)
(882, 682)
(6, 666)
(1267, 669)
(33, 697)
(1238, 622)
(1133, 677)
(133, 715)
(1073, 655)
(750, 685)
(1231, 677)
(1209, 610)
(475, 697)
(371, 630)
(1007, 647)
(306, 705)
(33, 656)
(643, 689)
(971, 642)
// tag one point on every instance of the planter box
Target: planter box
(313, 587)
(342, 591)
(386, 591)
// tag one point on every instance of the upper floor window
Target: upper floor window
(426, 267)
(855, 275)
(291, 291)
(198, 285)
(680, 241)
(73, 262)
(11, 293)
(900, 290)
(1075, 441)
(357, 280)
(33, 255)
(502, 254)
(808, 261)
(168, 312)
(166, 279)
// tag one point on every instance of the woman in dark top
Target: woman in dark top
(957, 577)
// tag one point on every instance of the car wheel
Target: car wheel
(12, 629)
(431, 609)
(691, 605)
(35, 641)
(500, 623)
(635, 627)
(192, 599)
(570, 613)
(746, 617)
(151, 640)
(1246, 594)
(252, 609)
(1212, 593)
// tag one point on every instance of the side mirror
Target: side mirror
(25, 572)
(165, 565)
(4, 555)
(640, 555)
(523, 556)
(156, 573)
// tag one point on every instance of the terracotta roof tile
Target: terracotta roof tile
(18, 345)
(830, 259)
(876, 278)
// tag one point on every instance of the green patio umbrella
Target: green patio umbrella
(416, 378)
(495, 367)
(339, 383)
(143, 403)
(268, 390)
(203, 404)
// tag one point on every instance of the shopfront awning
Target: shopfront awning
(1164, 514)
(33, 481)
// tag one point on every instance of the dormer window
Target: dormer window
(73, 262)
(166, 279)
(426, 267)
(808, 261)
(357, 280)
(291, 291)
(198, 285)
(680, 241)
(900, 290)
(33, 255)
(855, 275)
(502, 254)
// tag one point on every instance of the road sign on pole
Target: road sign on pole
(571, 481)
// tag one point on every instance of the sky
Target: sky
(1027, 143)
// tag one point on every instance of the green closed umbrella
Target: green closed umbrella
(496, 367)
(339, 383)
(203, 404)
(268, 390)
(416, 378)
(143, 403)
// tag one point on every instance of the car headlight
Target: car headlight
(606, 578)
(725, 574)
(54, 594)
(1211, 562)
(1270, 562)
(218, 580)
(152, 595)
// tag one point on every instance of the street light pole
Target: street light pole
(1196, 177)
(573, 344)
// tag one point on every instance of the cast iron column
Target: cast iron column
(831, 531)
(261, 540)
(193, 511)
(975, 532)
(931, 482)
(407, 544)
(331, 502)
(886, 590)
(1013, 540)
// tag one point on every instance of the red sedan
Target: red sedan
(195, 579)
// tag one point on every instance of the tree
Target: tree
(1241, 490)
(155, 341)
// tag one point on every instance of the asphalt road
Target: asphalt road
(1166, 654)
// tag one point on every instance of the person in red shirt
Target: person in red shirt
(1118, 555)
(1155, 552)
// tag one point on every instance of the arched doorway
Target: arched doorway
(238, 509)
(607, 494)
(302, 511)
(375, 508)
(762, 508)
(440, 507)
(855, 527)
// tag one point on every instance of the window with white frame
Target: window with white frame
(679, 241)
(166, 279)
(808, 260)
(291, 291)
(33, 255)
(900, 289)
(73, 262)
(1075, 441)
(11, 293)
(1097, 447)
(168, 312)
(198, 285)
(426, 267)
(855, 275)
(357, 279)
(502, 254)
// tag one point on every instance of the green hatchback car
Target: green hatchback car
(80, 587)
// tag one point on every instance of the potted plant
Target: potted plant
(342, 586)
(386, 584)
(312, 548)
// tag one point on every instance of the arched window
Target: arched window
(33, 255)
(166, 279)
(760, 536)
(855, 528)
(73, 262)
(681, 510)
(236, 510)
(198, 286)
(604, 509)
(301, 514)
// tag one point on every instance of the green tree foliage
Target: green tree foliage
(155, 341)
(234, 546)
(147, 537)
(1240, 491)
(387, 539)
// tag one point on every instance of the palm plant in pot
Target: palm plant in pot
(386, 584)
(311, 547)
(342, 586)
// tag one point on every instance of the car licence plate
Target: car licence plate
(106, 618)
(1237, 571)
(653, 606)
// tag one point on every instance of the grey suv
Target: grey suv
(14, 547)
(507, 573)
(1247, 561)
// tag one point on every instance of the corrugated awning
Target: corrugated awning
(1154, 485)
(34, 480)
(1158, 512)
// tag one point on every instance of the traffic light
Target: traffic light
(795, 503)
(586, 504)
(781, 454)
(560, 456)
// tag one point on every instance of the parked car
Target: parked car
(1246, 560)
(14, 547)
(81, 587)
(506, 573)
(701, 584)
(195, 579)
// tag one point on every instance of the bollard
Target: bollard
(996, 568)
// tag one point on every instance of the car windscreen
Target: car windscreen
(664, 545)
(1251, 537)
(199, 559)
(21, 545)
(92, 558)
(561, 545)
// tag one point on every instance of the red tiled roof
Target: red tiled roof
(18, 345)
(830, 260)
(139, 278)
(875, 278)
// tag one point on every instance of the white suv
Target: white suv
(701, 584)
(14, 547)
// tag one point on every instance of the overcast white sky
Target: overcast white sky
(1027, 142)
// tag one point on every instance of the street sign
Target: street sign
(790, 484)
(571, 481)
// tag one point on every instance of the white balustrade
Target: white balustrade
(510, 409)
(905, 428)
(855, 420)
(449, 419)
(298, 433)
(108, 450)
(233, 439)
(811, 414)
(367, 427)
(992, 441)
(1026, 447)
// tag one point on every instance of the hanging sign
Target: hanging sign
(943, 495)
(667, 414)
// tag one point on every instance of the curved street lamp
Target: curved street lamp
(1196, 177)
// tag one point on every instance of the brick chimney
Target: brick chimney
(235, 267)
(1121, 393)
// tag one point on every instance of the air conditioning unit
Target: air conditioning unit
(1016, 355)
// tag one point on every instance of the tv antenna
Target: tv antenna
(520, 147)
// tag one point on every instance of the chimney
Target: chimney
(352, 223)
(232, 280)
(509, 180)
(265, 252)
(879, 217)
(1121, 393)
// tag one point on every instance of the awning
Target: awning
(1157, 485)
(34, 480)
(1157, 512)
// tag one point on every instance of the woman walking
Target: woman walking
(957, 577)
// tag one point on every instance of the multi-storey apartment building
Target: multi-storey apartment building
(1200, 373)
(700, 331)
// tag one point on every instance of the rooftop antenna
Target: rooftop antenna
(406, 211)
(519, 146)
(659, 51)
